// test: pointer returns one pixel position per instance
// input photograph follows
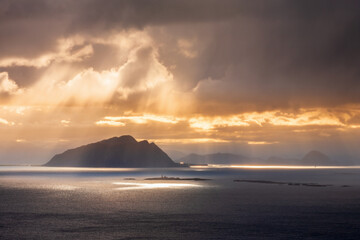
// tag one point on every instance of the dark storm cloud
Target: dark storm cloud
(251, 55)
(37, 21)
(30, 27)
(298, 57)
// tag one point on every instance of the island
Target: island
(177, 178)
(116, 152)
(284, 183)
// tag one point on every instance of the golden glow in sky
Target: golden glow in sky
(200, 82)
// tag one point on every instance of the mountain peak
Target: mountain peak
(316, 158)
(315, 153)
(122, 151)
(127, 138)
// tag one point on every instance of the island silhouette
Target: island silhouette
(123, 152)
(312, 158)
(127, 152)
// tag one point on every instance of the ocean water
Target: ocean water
(73, 203)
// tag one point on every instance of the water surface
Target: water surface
(72, 203)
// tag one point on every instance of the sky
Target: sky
(261, 78)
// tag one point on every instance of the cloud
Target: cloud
(118, 121)
(187, 48)
(208, 123)
(189, 140)
(68, 51)
(33, 28)
(6, 122)
(140, 73)
(65, 123)
(209, 70)
(110, 123)
(232, 55)
(302, 118)
(260, 142)
(8, 86)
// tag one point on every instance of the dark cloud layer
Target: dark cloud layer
(38, 23)
(248, 55)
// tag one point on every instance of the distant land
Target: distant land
(317, 158)
(123, 152)
(312, 158)
(126, 152)
(175, 154)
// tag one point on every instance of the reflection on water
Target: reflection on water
(306, 174)
(63, 187)
(134, 186)
(274, 167)
(60, 169)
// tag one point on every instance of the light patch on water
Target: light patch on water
(273, 167)
(135, 186)
(293, 167)
(60, 169)
(64, 187)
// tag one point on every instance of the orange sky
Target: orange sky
(199, 77)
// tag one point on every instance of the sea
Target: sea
(263, 203)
